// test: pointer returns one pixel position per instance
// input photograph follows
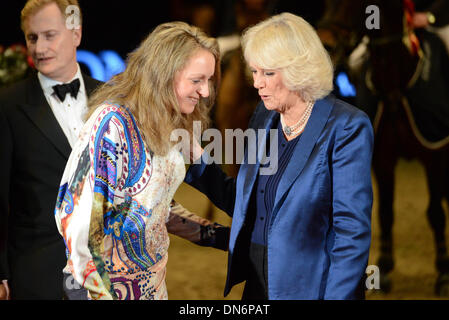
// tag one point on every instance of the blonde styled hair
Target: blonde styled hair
(147, 86)
(288, 43)
(33, 6)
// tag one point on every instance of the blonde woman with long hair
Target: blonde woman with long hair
(113, 208)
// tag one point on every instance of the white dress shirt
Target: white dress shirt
(71, 111)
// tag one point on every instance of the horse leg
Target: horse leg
(436, 170)
(383, 165)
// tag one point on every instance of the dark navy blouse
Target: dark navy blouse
(262, 198)
(267, 185)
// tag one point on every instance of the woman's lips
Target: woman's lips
(194, 100)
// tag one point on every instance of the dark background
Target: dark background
(106, 24)
(122, 25)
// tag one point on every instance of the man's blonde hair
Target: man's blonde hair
(147, 89)
(288, 43)
(33, 6)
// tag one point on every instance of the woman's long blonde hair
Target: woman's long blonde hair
(147, 89)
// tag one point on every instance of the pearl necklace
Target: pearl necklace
(301, 124)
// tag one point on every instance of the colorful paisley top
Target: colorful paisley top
(113, 206)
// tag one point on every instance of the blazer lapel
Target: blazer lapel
(40, 113)
(303, 149)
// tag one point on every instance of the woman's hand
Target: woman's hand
(195, 151)
(420, 20)
(4, 291)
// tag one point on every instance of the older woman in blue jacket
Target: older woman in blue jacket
(303, 230)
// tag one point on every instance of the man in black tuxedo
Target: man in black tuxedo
(39, 123)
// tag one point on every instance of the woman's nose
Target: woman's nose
(258, 82)
(204, 90)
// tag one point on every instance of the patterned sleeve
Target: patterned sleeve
(86, 199)
(184, 223)
(187, 225)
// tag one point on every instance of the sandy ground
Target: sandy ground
(197, 273)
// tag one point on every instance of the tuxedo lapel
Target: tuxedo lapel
(90, 84)
(39, 112)
(304, 147)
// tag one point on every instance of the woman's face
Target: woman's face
(192, 82)
(275, 95)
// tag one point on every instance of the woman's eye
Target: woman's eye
(269, 74)
(194, 81)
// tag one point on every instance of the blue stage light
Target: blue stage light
(114, 64)
(345, 87)
(93, 63)
(104, 66)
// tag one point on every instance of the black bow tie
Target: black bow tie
(62, 89)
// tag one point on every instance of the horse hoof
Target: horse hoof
(442, 285)
(442, 263)
(385, 263)
(385, 283)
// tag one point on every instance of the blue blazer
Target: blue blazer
(320, 229)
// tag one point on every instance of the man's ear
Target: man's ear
(77, 35)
